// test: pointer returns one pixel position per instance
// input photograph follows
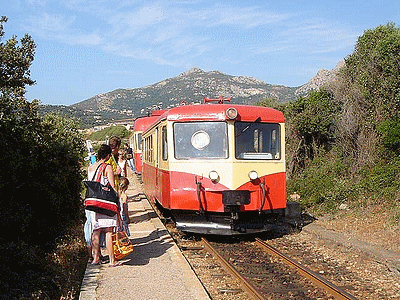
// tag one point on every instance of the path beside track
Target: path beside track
(155, 270)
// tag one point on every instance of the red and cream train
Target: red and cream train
(140, 125)
(217, 168)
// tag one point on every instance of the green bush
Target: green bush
(380, 182)
(322, 183)
(390, 134)
(312, 117)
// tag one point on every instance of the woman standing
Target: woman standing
(100, 222)
(129, 157)
(122, 163)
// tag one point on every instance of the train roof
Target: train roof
(142, 123)
(217, 112)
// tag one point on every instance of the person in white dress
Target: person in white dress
(101, 222)
(122, 163)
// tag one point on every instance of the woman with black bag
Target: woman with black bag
(101, 222)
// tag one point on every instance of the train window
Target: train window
(257, 141)
(151, 149)
(164, 144)
(139, 141)
(148, 149)
(203, 140)
(145, 149)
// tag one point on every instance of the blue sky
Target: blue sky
(87, 47)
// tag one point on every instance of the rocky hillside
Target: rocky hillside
(191, 86)
(323, 77)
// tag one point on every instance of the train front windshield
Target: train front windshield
(202, 140)
(257, 141)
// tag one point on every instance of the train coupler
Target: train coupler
(232, 201)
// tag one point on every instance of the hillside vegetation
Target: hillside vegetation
(344, 140)
(191, 86)
(104, 134)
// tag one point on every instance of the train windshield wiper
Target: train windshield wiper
(248, 126)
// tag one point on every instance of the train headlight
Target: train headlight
(253, 175)
(200, 139)
(213, 175)
(231, 113)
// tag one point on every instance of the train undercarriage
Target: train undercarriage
(236, 222)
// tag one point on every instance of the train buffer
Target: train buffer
(155, 270)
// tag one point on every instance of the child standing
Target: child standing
(123, 200)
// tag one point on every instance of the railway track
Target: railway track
(254, 270)
(251, 270)
(252, 291)
(332, 289)
(257, 281)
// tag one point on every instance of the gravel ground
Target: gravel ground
(355, 254)
(357, 251)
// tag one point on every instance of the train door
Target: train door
(163, 167)
(156, 158)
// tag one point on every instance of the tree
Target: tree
(369, 89)
(310, 126)
(374, 68)
(40, 176)
(15, 62)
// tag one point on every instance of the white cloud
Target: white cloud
(173, 33)
(310, 36)
(46, 23)
(245, 17)
(61, 28)
(92, 39)
(37, 2)
(147, 15)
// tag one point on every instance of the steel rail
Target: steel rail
(247, 287)
(334, 290)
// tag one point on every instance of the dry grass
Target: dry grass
(370, 224)
(69, 262)
(64, 267)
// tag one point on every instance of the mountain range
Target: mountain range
(191, 86)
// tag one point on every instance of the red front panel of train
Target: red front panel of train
(176, 190)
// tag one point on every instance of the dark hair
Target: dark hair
(114, 142)
(104, 151)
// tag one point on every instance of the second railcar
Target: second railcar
(218, 168)
(140, 125)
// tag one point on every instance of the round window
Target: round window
(200, 140)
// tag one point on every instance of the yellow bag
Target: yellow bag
(122, 245)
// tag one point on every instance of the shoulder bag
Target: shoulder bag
(99, 197)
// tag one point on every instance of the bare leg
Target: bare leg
(109, 246)
(96, 247)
